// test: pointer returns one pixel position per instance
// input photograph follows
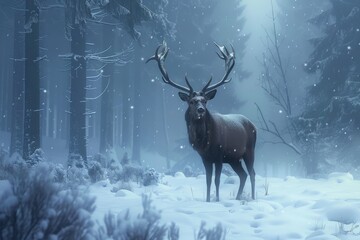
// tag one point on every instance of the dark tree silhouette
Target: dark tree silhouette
(32, 80)
(331, 119)
(107, 99)
(17, 125)
(76, 14)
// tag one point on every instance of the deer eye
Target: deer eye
(192, 102)
(203, 101)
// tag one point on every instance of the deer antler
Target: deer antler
(160, 57)
(229, 58)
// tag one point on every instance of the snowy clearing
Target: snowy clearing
(295, 208)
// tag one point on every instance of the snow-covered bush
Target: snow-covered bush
(36, 157)
(146, 226)
(122, 185)
(76, 160)
(95, 171)
(114, 171)
(173, 232)
(188, 171)
(125, 159)
(216, 233)
(36, 208)
(100, 158)
(59, 173)
(13, 168)
(3, 154)
(77, 174)
(132, 173)
(227, 170)
(151, 177)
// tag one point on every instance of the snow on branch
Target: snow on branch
(120, 58)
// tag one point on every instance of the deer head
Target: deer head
(196, 99)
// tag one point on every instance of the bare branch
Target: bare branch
(274, 131)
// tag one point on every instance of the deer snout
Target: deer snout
(201, 110)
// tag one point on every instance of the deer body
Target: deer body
(217, 138)
(223, 139)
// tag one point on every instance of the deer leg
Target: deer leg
(218, 168)
(208, 170)
(236, 166)
(249, 162)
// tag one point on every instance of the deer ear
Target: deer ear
(210, 95)
(184, 96)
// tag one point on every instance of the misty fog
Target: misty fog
(145, 116)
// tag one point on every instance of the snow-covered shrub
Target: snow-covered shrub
(13, 168)
(95, 171)
(188, 171)
(76, 160)
(100, 158)
(132, 173)
(151, 177)
(38, 209)
(173, 232)
(125, 159)
(122, 185)
(145, 227)
(216, 233)
(59, 173)
(3, 154)
(231, 180)
(77, 174)
(36, 157)
(114, 171)
(227, 170)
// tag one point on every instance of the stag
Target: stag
(216, 137)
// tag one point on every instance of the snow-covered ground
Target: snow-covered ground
(294, 208)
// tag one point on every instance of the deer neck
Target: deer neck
(199, 132)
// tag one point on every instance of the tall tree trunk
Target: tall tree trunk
(125, 131)
(17, 124)
(32, 81)
(136, 146)
(107, 116)
(77, 141)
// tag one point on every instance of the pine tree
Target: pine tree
(331, 119)
(229, 30)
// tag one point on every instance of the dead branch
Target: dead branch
(274, 131)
